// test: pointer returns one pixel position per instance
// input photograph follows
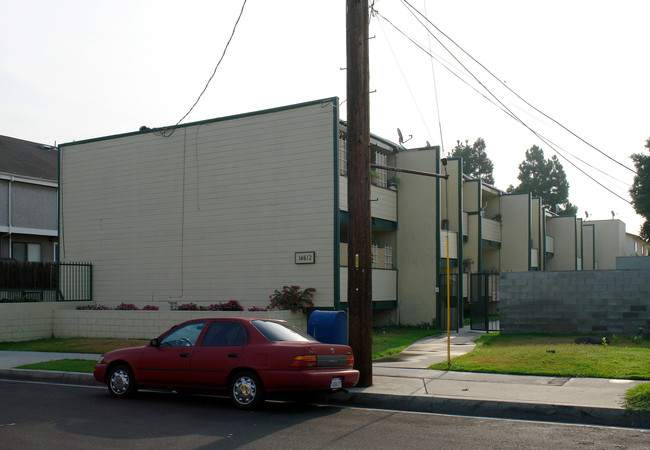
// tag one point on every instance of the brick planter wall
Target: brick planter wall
(28, 321)
(146, 324)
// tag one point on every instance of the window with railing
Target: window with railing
(382, 174)
(343, 156)
(388, 257)
(382, 257)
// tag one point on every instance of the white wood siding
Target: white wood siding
(550, 244)
(453, 244)
(491, 230)
(214, 212)
(385, 206)
(384, 285)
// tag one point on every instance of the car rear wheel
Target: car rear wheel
(120, 381)
(246, 390)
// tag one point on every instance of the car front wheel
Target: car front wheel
(246, 390)
(121, 383)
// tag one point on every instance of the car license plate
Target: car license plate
(337, 383)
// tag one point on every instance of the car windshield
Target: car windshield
(280, 331)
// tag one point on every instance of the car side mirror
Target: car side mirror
(154, 342)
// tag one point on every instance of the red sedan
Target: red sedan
(243, 356)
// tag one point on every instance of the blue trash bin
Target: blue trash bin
(329, 327)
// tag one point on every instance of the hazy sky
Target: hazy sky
(72, 70)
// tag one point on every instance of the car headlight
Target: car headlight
(101, 360)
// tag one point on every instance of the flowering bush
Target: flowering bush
(257, 308)
(126, 307)
(93, 308)
(120, 307)
(292, 298)
(188, 307)
(231, 305)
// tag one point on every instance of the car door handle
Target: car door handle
(232, 355)
(184, 355)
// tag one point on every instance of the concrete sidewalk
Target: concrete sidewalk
(403, 382)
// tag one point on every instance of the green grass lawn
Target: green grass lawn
(638, 398)
(553, 355)
(71, 345)
(548, 355)
(64, 365)
(386, 341)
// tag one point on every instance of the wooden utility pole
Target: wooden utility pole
(358, 145)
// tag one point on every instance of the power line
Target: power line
(417, 106)
(503, 107)
(513, 92)
(166, 131)
(435, 90)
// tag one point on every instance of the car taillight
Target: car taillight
(350, 361)
(303, 362)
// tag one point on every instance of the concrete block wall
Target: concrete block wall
(28, 321)
(575, 302)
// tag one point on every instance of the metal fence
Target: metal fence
(484, 301)
(49, 281)
(75, 282)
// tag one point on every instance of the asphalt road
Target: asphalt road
(52, 416)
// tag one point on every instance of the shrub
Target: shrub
(231, 305)
(93, 308)
(257, 308)
(19, 300)
(188, 307)
(293, 299)
(126, 307)
(150, 308)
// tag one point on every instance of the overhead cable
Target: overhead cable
(507, 110)
(513, 92)
(167, 132)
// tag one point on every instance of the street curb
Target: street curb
(415, 403)
(497, 409)
(50, 376)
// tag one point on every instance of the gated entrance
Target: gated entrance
(484, 301)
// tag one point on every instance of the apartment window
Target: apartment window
(388, 257)
(375, 255)
(382, 174)
(343, 156)
(22, 251)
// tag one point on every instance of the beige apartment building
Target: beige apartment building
(236, 207)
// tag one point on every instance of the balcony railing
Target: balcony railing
(385, 206)
(465, 224)
(384, 285)
(534, 258)
(453, 244)
(550, 244)
(491, 230)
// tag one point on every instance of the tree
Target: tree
(476, 164)
(545, 178)
(640, 190)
